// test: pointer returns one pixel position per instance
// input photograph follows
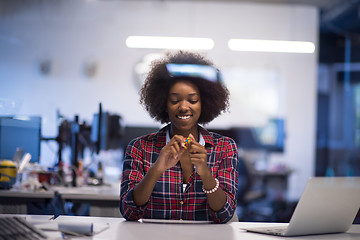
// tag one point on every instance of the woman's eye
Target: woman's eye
(193, 101)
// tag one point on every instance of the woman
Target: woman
(181, 172)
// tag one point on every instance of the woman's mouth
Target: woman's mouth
(183, 117)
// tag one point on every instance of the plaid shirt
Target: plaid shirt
(168, 199)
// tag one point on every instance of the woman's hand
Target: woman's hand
(169, 156)
(171, 153)
(198, 157)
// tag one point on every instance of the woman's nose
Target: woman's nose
(183, 105)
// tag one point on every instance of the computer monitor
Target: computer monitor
(269, 137)
(132, 132)
(20, 132)
(106, 131)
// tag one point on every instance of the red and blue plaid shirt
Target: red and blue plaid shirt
(169, 200)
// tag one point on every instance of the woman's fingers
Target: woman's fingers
(179, 140)
(197, 148)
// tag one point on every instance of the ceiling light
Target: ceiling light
(254, 45)
(169, 42)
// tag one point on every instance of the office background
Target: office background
(69, 56)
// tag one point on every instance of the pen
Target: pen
(58, 204)
(54, 217)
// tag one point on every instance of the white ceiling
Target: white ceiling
(343, 15)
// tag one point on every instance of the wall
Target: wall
(71, 33)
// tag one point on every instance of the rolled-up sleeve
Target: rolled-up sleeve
(132, 174)
(227, 175)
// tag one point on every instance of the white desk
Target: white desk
(121, 229)
(103, 200)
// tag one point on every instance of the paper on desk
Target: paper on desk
(49, 228)
(82, 228)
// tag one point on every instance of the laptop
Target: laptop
(327, 205)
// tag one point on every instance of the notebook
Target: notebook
(327, 205)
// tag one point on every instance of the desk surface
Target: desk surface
(121, 229)
(103, 200)
(104, 192)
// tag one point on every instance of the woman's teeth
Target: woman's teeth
(183, 117)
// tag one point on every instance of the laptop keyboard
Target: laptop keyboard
(12, 227)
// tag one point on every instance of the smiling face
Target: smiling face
(184, 108)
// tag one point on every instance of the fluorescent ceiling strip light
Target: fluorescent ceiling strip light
(254, 45)
(169, 42)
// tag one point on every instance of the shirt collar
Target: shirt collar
(201, 138)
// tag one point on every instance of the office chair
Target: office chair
(249, 192)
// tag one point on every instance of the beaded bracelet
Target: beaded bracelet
(212, 190)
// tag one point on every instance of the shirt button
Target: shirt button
(181, 202)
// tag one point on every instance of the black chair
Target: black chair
(250, 190)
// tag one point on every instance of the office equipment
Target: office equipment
(77, 227)
(106, 130)
(20, 132)
(13, 227)
(132, 132)
(327, 205)
(103, 200)
(76, 135)
(269, 137)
